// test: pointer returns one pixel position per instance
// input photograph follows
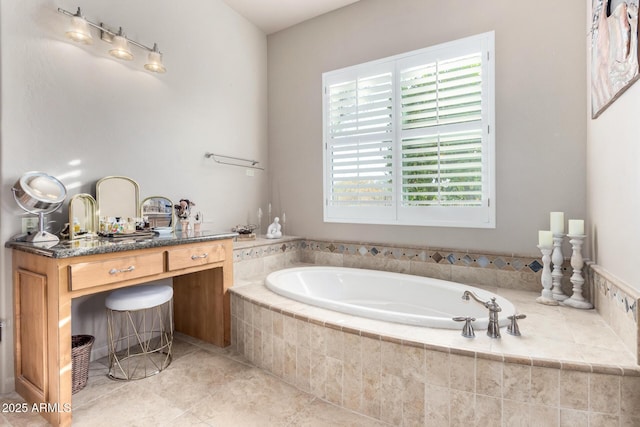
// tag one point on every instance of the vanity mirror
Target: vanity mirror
(118, 197)
(39, 193)
(158, 212)
(83, 218)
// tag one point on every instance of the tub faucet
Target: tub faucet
(493, 330)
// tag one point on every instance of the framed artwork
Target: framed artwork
(614, 51)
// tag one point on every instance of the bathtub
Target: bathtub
(392, 297)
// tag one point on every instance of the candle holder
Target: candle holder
(577, 300)
(546, 297)
(557, 259)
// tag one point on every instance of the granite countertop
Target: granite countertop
(102, 245)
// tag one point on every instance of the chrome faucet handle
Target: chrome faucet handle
(467, 329)
(492, 305)
(513, 328)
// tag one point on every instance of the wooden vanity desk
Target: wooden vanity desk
(45, 281)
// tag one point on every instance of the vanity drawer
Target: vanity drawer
(88, 274)
(195, 256)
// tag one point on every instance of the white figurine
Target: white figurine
(273, 232)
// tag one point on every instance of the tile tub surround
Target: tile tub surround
(504, 270)
(253, 258)
(262, 256)
(568, 368)
(615, 301)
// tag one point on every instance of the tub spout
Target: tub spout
(493, 330)
(468, 294)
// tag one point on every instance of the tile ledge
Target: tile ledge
(617, 370)
(621, 284)
(263, 241)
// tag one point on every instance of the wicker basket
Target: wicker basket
(80, 354)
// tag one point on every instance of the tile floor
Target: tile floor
(204, 386)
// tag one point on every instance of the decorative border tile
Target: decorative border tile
(524, 264)
(262, 249)
(628, 304)
(614, 290)
(617, 303)
(517, 272)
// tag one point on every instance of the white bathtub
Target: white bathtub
(381, 295)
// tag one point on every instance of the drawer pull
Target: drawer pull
(195, 257)
(124, 270)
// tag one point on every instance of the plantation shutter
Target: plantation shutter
(407, 139)
(360, 143)
(442, 133)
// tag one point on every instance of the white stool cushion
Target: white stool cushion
(139, 297)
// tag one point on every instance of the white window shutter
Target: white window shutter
(407, 141)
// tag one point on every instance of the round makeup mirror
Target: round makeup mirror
(158, 212)
(39, 193)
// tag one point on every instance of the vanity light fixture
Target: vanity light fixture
(120, 48)
(154, 63)
(79, 31)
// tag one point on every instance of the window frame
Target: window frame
(483, 216)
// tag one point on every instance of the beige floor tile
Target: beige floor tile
(191, 377)
(185, 420)
(98, 384)
(319, 414)
(15, 412)
(256, 399)
(199, 388)
(133, 404)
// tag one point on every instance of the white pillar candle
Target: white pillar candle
(557, 222)
(576, 227)
(545, 238)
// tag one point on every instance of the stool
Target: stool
(140, 331)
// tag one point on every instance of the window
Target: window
(410, 139)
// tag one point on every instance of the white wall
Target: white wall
(540, 99)
(62, 102)
(613, 182)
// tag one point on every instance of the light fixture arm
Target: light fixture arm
(104, 29)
